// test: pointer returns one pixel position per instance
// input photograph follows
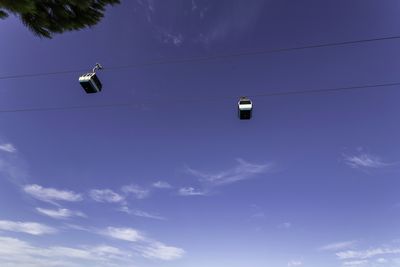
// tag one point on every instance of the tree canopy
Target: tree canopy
(47, 17)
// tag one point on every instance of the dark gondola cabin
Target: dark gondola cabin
(245, 108)
(90, 82)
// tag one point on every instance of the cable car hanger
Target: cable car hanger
(98, 66)
(90, 82)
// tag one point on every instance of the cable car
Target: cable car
(90, 82)
(245, 108)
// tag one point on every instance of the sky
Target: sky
(177, 179)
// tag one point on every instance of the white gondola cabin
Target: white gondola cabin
(245, 108)
(90, 82)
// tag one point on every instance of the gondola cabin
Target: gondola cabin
(90, 82)
(245, 108)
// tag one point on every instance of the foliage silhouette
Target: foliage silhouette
(48, 17)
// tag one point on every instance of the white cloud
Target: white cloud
(381, 260)
(147, 247)
(31, 228)
(338, 246)
(8, 148)
(60, 213)
(137, 191)
(294, 263)
(365, 161)
(355, 263)
(51, 195)
(365, 254)
(158, 250)
(126, 234)
(140, 213)
(80, 228)
(106, 195)
(190, 191)
(162, 185)
(71, 252)
(244, 170)
(18, 253)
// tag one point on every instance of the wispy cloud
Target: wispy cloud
(242, 171)
(51, 195)
(126, 234)
(293, 263)
(365, 161)
(355, 263)
(141, 243)
(162, 185)
(381, 260)
(148, 6)
(229, 24)
(373, 256)
(365, 254)
(147, 247)
(80, 228)
(259, 215)
(60, 213)
(8, 147)
(19, 253)
(176, 39)
(338, 246)
(106, 196)
(160, 251)
(31, 228)
(257, 212)
(190, 191)
(140, 213)
(137, 191)
(226, 20)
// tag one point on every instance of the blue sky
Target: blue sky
(311, 180)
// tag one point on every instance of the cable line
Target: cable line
(272, 94)
(327, 90)
(209, 58)
(252, 53)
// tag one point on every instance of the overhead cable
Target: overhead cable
(207, 58)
